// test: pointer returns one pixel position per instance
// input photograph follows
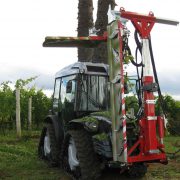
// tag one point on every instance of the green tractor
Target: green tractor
(89, 127)
(78, 132)
(74, 132)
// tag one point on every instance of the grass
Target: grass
(172, 169)
(18, 160)
(172, 143)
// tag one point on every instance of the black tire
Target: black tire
(89, 166)
(53, 157)
(137, 170)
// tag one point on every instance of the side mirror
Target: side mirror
(69, 87)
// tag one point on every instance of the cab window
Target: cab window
(56, 93)
(68, 89)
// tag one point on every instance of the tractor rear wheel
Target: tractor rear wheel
(48, 148)
(137, 170)
(79, 158)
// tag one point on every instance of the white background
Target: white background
(25, 23)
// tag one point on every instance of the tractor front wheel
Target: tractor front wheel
(79, 158)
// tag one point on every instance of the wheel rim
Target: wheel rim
(72, 155)
(47, 148)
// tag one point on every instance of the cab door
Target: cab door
(56, 95)
(68, 97)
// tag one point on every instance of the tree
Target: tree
(85, 22)
(172, 108)
(41, 104)
(7, 105)
(100, 53)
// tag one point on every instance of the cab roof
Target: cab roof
(84, 68)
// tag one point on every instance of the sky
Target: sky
(25, 23)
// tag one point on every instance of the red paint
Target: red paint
(144, 158)
(142, 23)
(150, 125)
(98, 38)
(160, 121)
(147, 143)
(134, 147)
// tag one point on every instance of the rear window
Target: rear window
(96, 69)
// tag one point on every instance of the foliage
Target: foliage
(41, 106)
(172, 143)
(20, 83)
(7, 104)
(40, 102)
(89, 119)
(132, 102)
(171, 108)
(106, 114)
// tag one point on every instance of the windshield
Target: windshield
(93, 93)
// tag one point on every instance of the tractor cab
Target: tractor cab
(81, 88)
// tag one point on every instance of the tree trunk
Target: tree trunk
(85, 22)
(100, 53)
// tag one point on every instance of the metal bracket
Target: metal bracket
(115, 54)
(154, 151)
(150, 118)
(93, 31)
(116, 79)
(150, 101)
(152, 87)
(115, 15)
(114, 34)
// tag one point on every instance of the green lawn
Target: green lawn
(172, 143)
(18, 160)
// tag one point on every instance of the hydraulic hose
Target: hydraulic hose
(136, 64)
(139, 81)
(161, 100)
(138, 43)
(138, 48)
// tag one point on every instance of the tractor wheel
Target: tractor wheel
(79, 159)
(137, 170)
(48, 148)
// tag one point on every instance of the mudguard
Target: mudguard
(79, 123)
(57, 124)
(92, 123)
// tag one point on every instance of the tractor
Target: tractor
(89, 128)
